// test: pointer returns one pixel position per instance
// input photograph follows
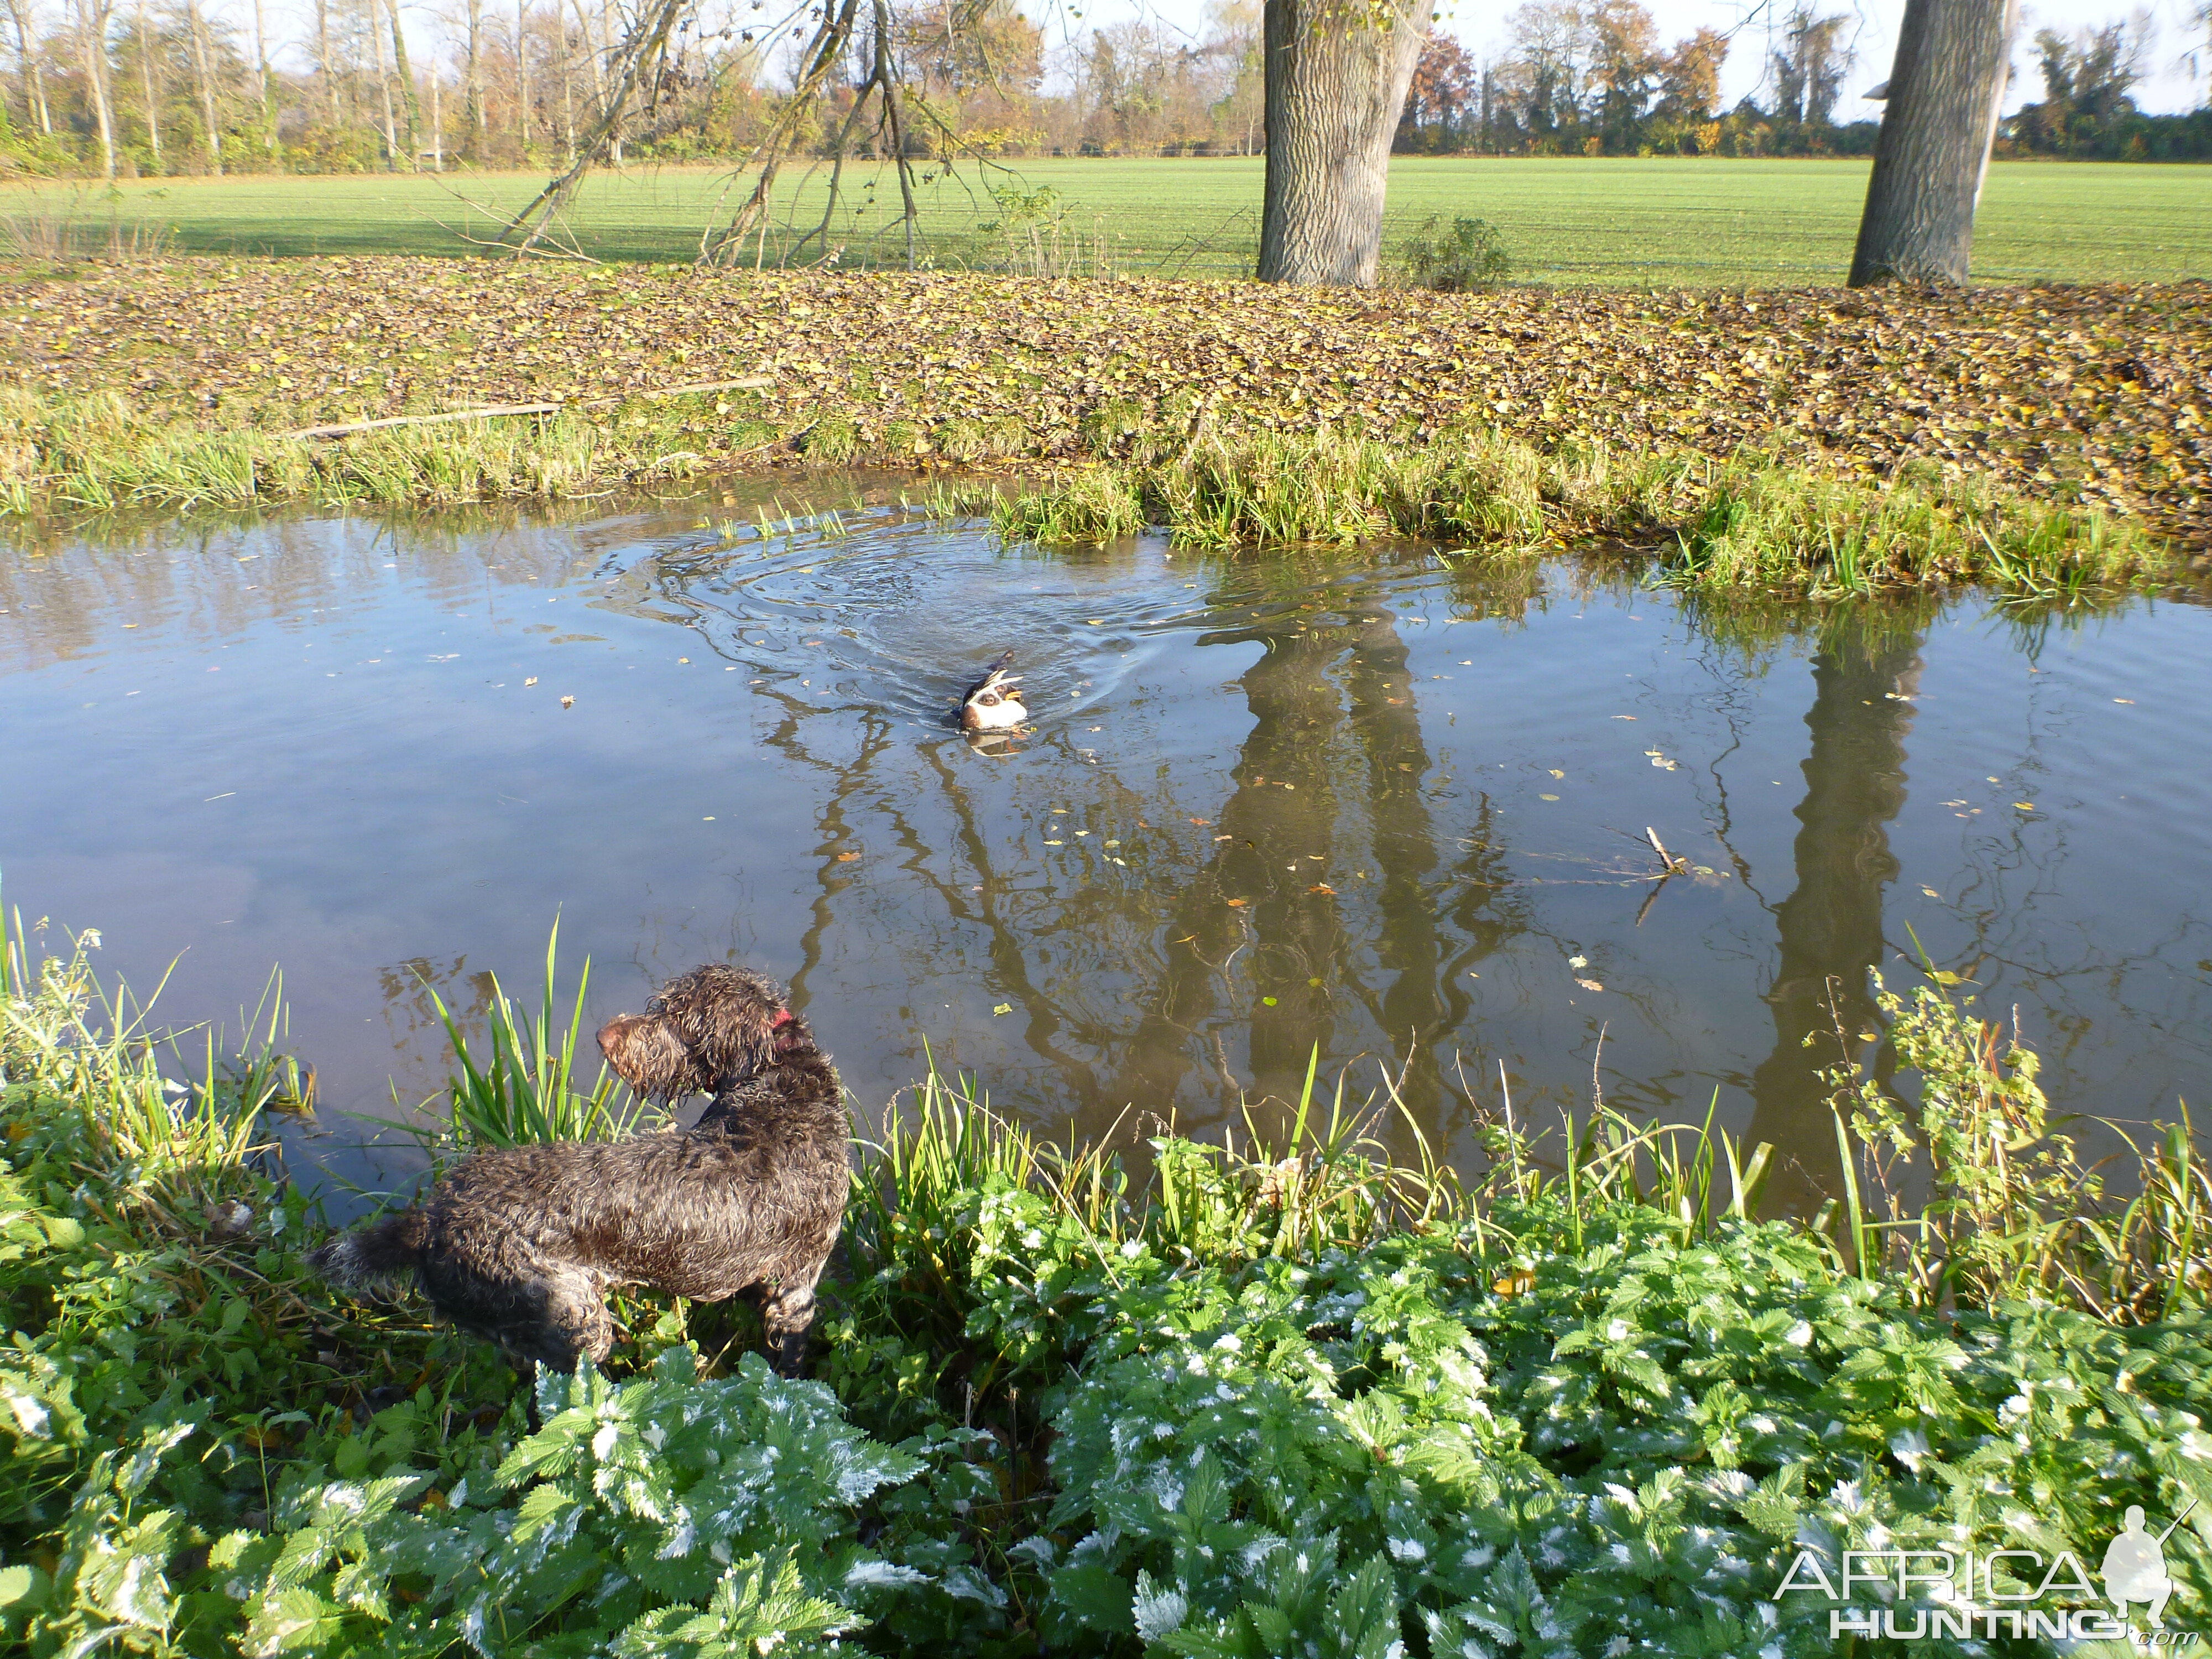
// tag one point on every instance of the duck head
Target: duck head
(993, 703)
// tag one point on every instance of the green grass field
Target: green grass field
(1663, 222)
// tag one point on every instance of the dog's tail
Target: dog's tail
(377, 1256)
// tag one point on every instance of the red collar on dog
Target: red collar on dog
(783, 1016)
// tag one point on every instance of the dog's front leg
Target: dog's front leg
(788, 1311)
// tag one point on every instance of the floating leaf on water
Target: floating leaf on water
(1557, 773)
(568, 702)
(1004, 1008)
(1267, 1002)
(1590, 985)
(1238, 904)
(2129, 701)
(533, 680)
(1548, 798)
(1321, 887)
(1931, 892)
(1577, 962)
(846, 857)
(2024, 805)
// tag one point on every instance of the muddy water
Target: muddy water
(1375, 803)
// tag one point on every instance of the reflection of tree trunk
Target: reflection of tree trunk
(1280, 857)
(1290, 933)
(1389, 726)
(1830, 927)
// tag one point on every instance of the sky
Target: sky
(2171, 82)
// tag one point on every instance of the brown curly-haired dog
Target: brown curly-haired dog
(520, 1243)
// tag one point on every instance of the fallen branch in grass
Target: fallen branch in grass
(743, 382)
(486, 413)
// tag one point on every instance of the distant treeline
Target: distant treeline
(1590, 78)
(153, 87)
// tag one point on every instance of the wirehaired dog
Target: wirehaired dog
(519, 1244)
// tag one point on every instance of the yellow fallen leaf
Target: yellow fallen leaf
(2024, 805)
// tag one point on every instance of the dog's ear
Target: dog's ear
(649, 1056)
(734, 1032)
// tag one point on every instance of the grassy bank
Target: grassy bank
(176, 380)
(1264, 1397)
(1592, 220)
(1741, 524)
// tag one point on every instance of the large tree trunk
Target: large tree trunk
(1946, 90)
(1335, 83)
(406, 75)
(473, 121)
(261, 80)
(92, 42)
(522, 78)
(214, 129)
(146, 82)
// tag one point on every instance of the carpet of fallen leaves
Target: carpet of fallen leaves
(2101, 394)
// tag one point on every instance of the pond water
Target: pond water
(1372, 802)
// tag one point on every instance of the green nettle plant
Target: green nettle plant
(1269, 1399)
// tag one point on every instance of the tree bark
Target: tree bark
(323, 62)
(384, 85)
(1336, 78)
(261, 80)
(473, 120)
(146, 81)
(411, 104)
(199, 27)
(92, 41)
(1946, 89)
(522, 76)
(34, 85)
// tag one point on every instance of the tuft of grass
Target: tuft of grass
(182, 1127)
(525, 1091)
(833, 438)
(95, 452)
(1090, 504)
(1747, 524)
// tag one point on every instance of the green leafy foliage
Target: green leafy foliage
(1272, 1398)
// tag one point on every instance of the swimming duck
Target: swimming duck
(993, 703)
